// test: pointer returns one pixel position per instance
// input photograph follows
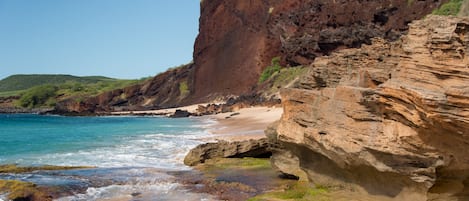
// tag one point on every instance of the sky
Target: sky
(115, 38)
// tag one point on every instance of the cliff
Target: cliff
(168, 89)
(387, 120)
(238, 39)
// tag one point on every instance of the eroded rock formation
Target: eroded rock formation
(223, 149)
(388, 119)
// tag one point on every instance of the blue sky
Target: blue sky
(116, 38)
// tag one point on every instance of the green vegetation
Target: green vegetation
(13, 168)
(11, 93)
(286, 75)
(451, 8)
(301, 191)
(19, 190)
(45, 90)
(76, 89)
(184, 88)
(39, 96)
(270, 70)
(22, 82)
(237, 163)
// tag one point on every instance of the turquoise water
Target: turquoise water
(133, 155)
(30, 139)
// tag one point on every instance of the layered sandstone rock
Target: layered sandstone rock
(223, 149)
(388, 119)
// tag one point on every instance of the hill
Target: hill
(22, 82)
(32, 91)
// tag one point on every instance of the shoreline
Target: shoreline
(239, 176)
(162, 112)
(243, 124)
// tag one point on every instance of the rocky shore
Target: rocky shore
(381, 113)
(387, 121)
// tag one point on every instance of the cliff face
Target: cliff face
(237, 39)
(389, 119)
(168, 89)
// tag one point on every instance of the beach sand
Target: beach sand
(189, 108)
(244, 124)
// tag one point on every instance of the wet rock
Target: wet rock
(223, 149)
(283, 160)
(180, 113)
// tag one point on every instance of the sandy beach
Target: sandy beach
(244, 124)
(189, 108)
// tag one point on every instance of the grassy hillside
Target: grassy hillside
(22, 82)
(45, 90)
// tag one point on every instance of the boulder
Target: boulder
(223, 149)
(180, 114)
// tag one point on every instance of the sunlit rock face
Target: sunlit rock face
(390, 119)
(238, 38)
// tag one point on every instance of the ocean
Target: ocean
(132, 155)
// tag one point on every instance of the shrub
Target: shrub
(38, 96)
(270, 70)
(450, 8)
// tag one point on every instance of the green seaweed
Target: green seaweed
(19, 190)
(301, 191)
(13, 168)
(237, 163)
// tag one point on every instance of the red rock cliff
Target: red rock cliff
(237, 39)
